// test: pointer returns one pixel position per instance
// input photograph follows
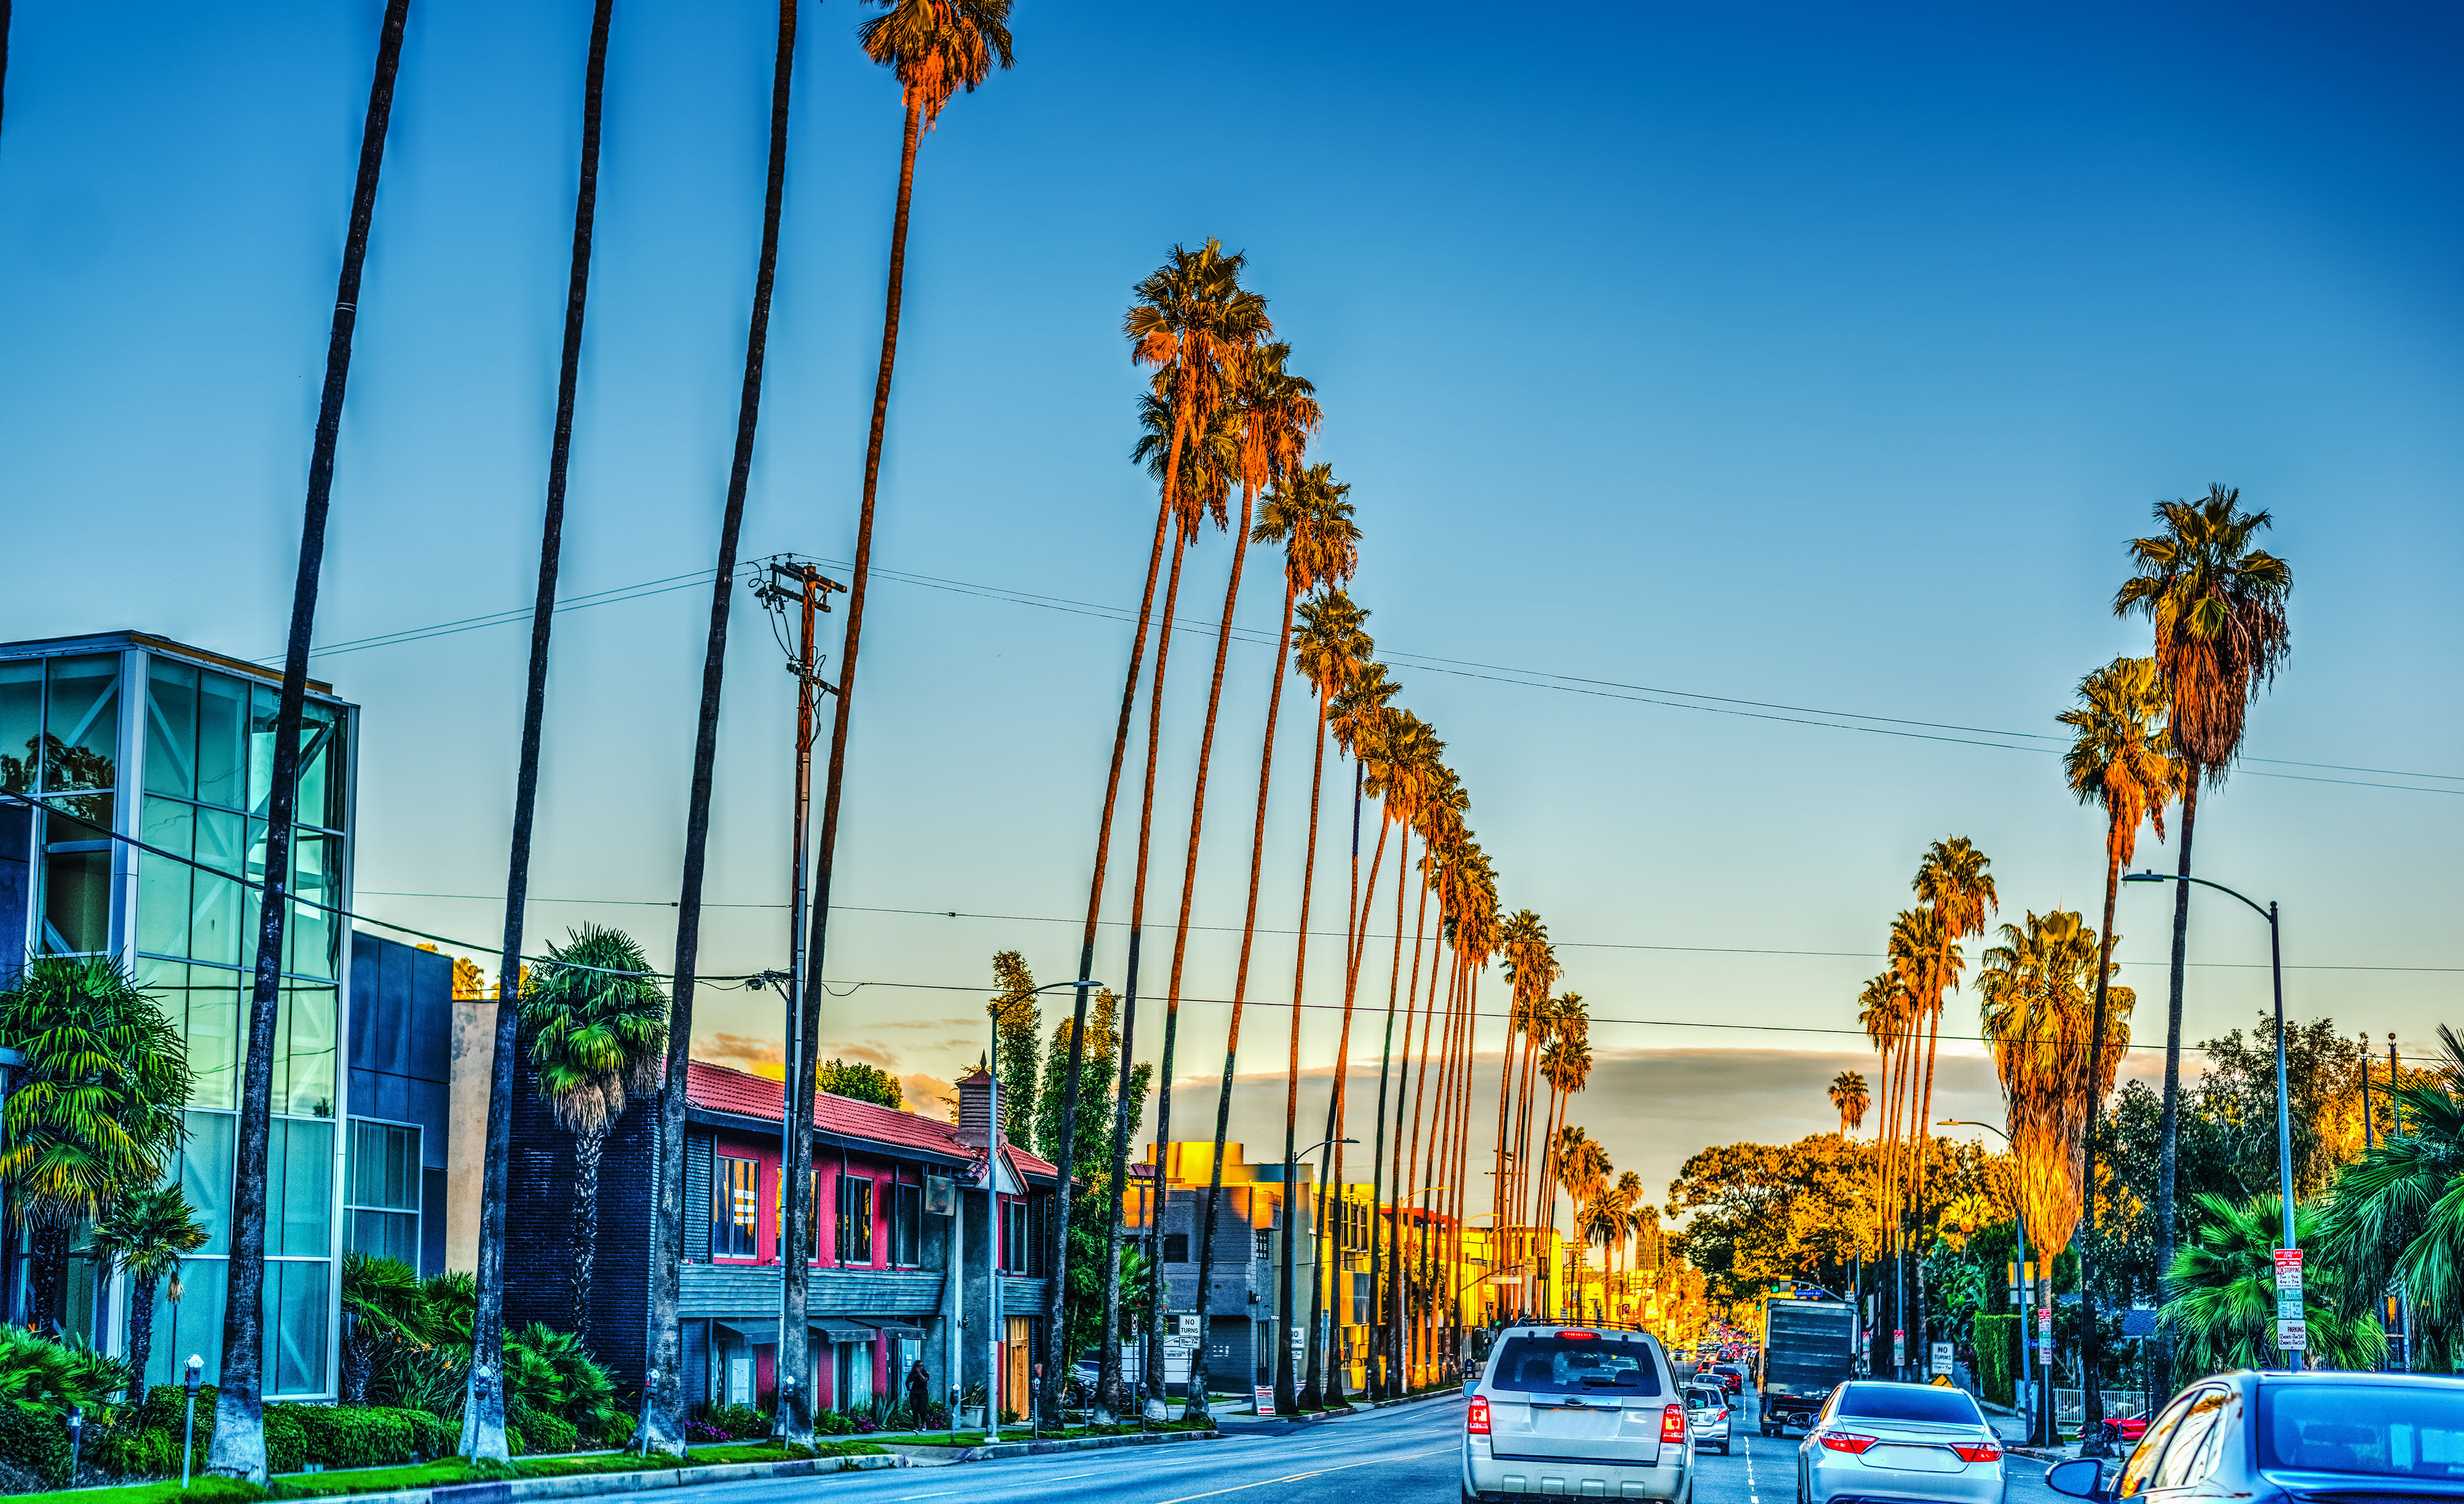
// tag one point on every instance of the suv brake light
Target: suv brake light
(1580, 1336)
(1672, 1424)
(1977, 1451)
(1845, 1441)
(1476, 1421)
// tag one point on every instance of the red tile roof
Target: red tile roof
(725, 1091)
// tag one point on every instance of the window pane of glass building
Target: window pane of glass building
(21, 724)
(222, 735)
(171, 728)
(82, 723)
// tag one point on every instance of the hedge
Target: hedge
(1997, 1356)
(40, 1444)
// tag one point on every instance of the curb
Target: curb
(995, 1450)
(588, 1485)
(1352, 1410)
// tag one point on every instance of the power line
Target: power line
(1529, 678)
(1385, 935)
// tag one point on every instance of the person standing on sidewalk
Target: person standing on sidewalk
(919, 1391)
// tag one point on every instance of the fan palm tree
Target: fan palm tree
(1305, 512)
(1415, 776)
(1849, 1096)
(2038, 984)
(2121, 760)
(934, 47)
(1328, 648)
(2396, 1215)
(1172, 327)
(239, 1448)
(599, 1031)
(2220, 1293)
(1273, 414)
(143, 1235)
(384, 1305)
(2217, 608)
(662, 1428)
(483, 1406)
(1530, 970)
(91, 1115)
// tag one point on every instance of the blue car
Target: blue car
(2290, 1438)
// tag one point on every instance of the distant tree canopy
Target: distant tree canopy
(863, 1083)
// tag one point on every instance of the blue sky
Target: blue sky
(1815, 357)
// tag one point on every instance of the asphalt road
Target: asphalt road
(1408, 1453)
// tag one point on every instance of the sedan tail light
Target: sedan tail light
(1672, 1424)
(1844, 1441)
(1476, 1421)
(1977, 1451)
(1722, 1416)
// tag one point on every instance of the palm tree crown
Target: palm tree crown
(2217, 607)
(2120, 756)
(602, 1027)
(1849, 1095)
(938, 47)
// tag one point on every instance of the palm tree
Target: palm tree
(1171, 327)
(2121, 761)
(934, 47)
(2395, 1218)
(384, 1305)
(2220, 1293)
(91, 1115)
(143, 1235)
(1849, 1096)
(1530, 970)
(484, 1406)
(239, 1448)
(2216, 606)
(1273, 412)
(2038, 984)
(599, 1031)
(662, 1428)
(1329, 647)
(1305, 512)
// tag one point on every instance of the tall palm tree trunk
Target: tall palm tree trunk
(238, 1448)
(2091, 1359)
(1412, 1176)
(1111, 1395)
(798, 1212)
(1057, 1364)
(1328, 1366)
(141, 1334)
(2170, 1125)
(1287, 1292)
(1392, 1291)
(1919, 1335)
(1372, 1375)
(1153, 1366)
(483, 1405)
(1240, 998)
(662, 1427)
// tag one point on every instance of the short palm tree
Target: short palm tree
(2217, 608)
(2220, 1293)
(93, 1114)
(384, 1305)
(2397, 1213)
(1848, 1093)
(143, 1235)
(599, 1029)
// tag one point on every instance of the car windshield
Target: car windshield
(2399, 1431)
(1577, 1365)
(1909, 1402)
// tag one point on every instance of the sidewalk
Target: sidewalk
(2013, 1427)
(1251, 1422)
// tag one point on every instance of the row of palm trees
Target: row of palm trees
(934, 47)
(1224, 414)
(2146, 732)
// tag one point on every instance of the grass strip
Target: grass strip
(445, 1473)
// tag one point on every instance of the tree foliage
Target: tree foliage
(866, 1083)
(1016, 1022)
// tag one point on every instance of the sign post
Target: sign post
(2291, 1328)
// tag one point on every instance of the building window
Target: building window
(60, 735)
(855, 1220)
(1175, 1247)
(1024, 1222)
(735, 1207)
(907, 1226)
(381, 1191)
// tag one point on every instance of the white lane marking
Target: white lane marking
(1314, 1474)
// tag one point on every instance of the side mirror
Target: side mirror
(2082, 1478)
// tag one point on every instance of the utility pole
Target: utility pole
(792, 585)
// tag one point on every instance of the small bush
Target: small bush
(38, 1445)
(738, 1422)
(834, 1423)
(286, 1440)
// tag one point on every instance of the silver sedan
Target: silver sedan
(1900, 1441)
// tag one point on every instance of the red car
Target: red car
(2125, 1432)
(1731, 1378)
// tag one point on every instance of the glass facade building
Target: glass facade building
(132, 735)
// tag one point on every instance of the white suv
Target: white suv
(1577, 1411)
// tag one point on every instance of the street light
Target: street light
(2275, 970)
(2019, 1220)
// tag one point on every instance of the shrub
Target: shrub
(286, 1440)
(1997, 1348)
(370, 1436)
(738, 1422)
(37, 1444)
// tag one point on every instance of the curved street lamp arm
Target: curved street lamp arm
(2149, 877)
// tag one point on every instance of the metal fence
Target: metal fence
(2070, 1406)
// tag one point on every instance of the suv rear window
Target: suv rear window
(2395, 1431)
(1910, 1402)
(1579, 1365)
